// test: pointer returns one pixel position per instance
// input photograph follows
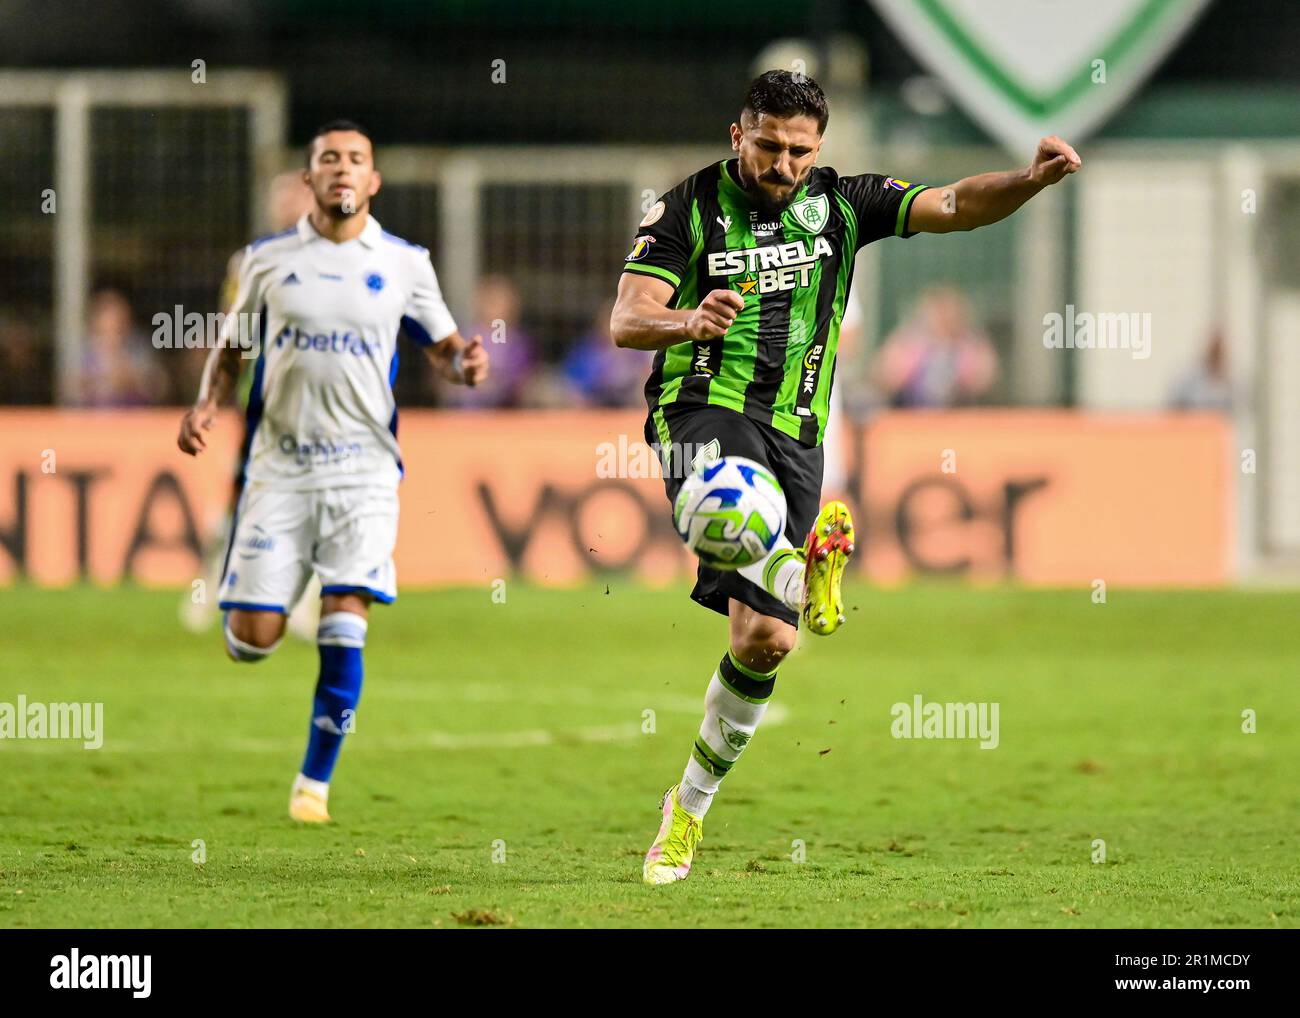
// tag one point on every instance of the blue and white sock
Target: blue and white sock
(340, 639)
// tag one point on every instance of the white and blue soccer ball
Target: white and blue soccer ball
(730, 512)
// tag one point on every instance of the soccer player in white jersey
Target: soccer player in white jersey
(323, 465)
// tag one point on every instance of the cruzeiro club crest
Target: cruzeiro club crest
(811, 213)
(733, 736)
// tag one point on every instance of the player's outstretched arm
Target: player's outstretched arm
(642, 319)
(985, 199)
(458, 361)
(220, 375)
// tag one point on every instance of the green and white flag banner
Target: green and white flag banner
(1028, 68)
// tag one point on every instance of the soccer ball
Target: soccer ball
(730, 512)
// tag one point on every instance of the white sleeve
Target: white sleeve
(426, 317)
(240, 327)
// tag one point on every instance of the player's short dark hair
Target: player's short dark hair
(785, 94)
(341, 124)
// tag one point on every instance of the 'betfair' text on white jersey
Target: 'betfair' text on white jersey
(321, 411)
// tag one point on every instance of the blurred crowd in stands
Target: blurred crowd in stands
(938, 356)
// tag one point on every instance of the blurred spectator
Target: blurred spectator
(511, 349)
(117, 368)
(938, 358)
(1207, 386)
(599, 374)
(24, 363)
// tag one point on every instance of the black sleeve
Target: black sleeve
(882, 204)
(665, 237)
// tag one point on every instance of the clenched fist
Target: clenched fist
(714, 315)
(1053, 160)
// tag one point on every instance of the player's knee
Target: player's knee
(763, 645)
(251, 639)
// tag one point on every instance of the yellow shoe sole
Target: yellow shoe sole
(826, 553)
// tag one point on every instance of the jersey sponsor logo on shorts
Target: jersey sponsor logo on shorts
(333, 342)
(256, 543)
(640, 248)
(811, 213)
(654, 215)
(708, 453)
(896, 184)
(774, 266)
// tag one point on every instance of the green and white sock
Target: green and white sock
(780, 574)
(733, 706)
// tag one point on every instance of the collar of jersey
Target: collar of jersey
(369, 236)
(732, 186)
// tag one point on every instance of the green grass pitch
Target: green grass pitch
(500, 774)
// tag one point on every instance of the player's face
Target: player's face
(342, 173)
(776, 154)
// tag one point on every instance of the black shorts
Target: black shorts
(797, 467)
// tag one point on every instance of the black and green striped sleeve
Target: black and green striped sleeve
(881, 204)
(664, 239)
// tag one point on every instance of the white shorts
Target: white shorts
(345, 534)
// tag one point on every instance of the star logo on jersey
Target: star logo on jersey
(746, 286)
(811, 213)
(374, 282)
(773, 267)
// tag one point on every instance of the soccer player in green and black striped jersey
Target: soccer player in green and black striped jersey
(738, 277)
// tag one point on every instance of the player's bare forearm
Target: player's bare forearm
(457, 360)
(220, 376)
(990, 197)
(642, 319)
(640, 323)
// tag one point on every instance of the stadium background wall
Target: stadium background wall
(1040, 496)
